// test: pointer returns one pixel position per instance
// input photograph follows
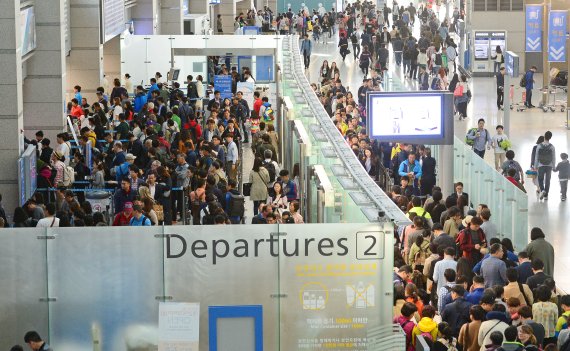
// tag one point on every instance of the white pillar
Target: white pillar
(171, 17)
(44, 85)
(11, 113)
(227, 9)
(85, 62)
(145, 17)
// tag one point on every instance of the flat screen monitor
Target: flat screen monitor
(411, 117)
(28, 30)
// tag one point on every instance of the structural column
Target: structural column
(227, 8)
(171, 17)
(145, 17)
(44, 85)
(11, 113)
(85, 63)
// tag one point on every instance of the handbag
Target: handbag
(458, 90)
(246, 189)
(159, 211)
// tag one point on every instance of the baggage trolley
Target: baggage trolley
(520, 106)
(557, 104)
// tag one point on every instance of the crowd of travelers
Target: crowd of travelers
(167, 154)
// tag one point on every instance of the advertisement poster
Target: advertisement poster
(533, 28)
(557, 36)
(178, 326)
(481, 46)
(247, 88)
(223, 83)
(497, 39)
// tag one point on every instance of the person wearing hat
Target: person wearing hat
(122, 170)
(123, 218)
(57, 163)
(472, 239)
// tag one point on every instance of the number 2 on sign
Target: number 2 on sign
(369, 245)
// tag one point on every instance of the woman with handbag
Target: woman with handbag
(259, 178)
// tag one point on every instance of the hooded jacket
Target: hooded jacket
(140, 100)
(408, 326)
(426, 325)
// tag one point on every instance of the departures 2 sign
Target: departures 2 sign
(321, 286)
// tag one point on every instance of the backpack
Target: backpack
(470, 132)
(435, 84)
(545, 155)
(438, 60)
(512, 165)
(522, 83)
(566, 345)
(236, 205)
(68, 176)
(270, 167)
(428, 337)
(268, 114)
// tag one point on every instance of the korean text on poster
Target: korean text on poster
(533, 28)
(557, 36)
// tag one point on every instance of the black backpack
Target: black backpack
(438, 60)
(270, 167)
(522, 83)
(545, 155)
(236, 205)
(192, 90)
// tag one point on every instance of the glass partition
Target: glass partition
(24, 285)
(104, 286)
(508, 204)
(107, 284)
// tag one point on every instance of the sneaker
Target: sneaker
(542, 195)
(563, 198)
(545, 197)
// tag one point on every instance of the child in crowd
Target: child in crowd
(500, 143)
(563, 169)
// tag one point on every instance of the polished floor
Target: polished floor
(526, 127)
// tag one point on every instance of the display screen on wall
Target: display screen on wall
(410, 117)
(481, 45)
(113, 18)
(28, 30)
(497, 39)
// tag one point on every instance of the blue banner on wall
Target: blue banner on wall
(223, 83)
(557, 36)
(533, 28)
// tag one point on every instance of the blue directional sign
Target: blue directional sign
(533, 28)
(557, 36)
(223, 83)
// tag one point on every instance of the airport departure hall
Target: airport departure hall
(364, 175)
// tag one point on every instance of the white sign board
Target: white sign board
(247, 89)
(179, 326)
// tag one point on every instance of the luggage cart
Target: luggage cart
(520, 106)
(557, 104)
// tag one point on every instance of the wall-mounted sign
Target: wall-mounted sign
(533, 28)
(481, 46)
(512, 64)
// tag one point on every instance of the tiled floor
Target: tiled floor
(526, 126)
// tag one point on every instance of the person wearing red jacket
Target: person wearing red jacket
(123, 218)
(76, 110)
(471, 240)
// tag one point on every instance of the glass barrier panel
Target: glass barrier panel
(336, 287)
(235, 266)
(24, 290)
(108, 282)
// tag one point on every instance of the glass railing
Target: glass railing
(357, 197)
(508, 204)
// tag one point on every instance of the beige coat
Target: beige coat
(259, 181)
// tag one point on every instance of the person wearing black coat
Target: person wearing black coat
(457, 312)
(163, 193)
(427, 181)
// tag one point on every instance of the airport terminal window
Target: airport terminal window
(492, 5)
(517, 5)
(479, 5)
(505, 5)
